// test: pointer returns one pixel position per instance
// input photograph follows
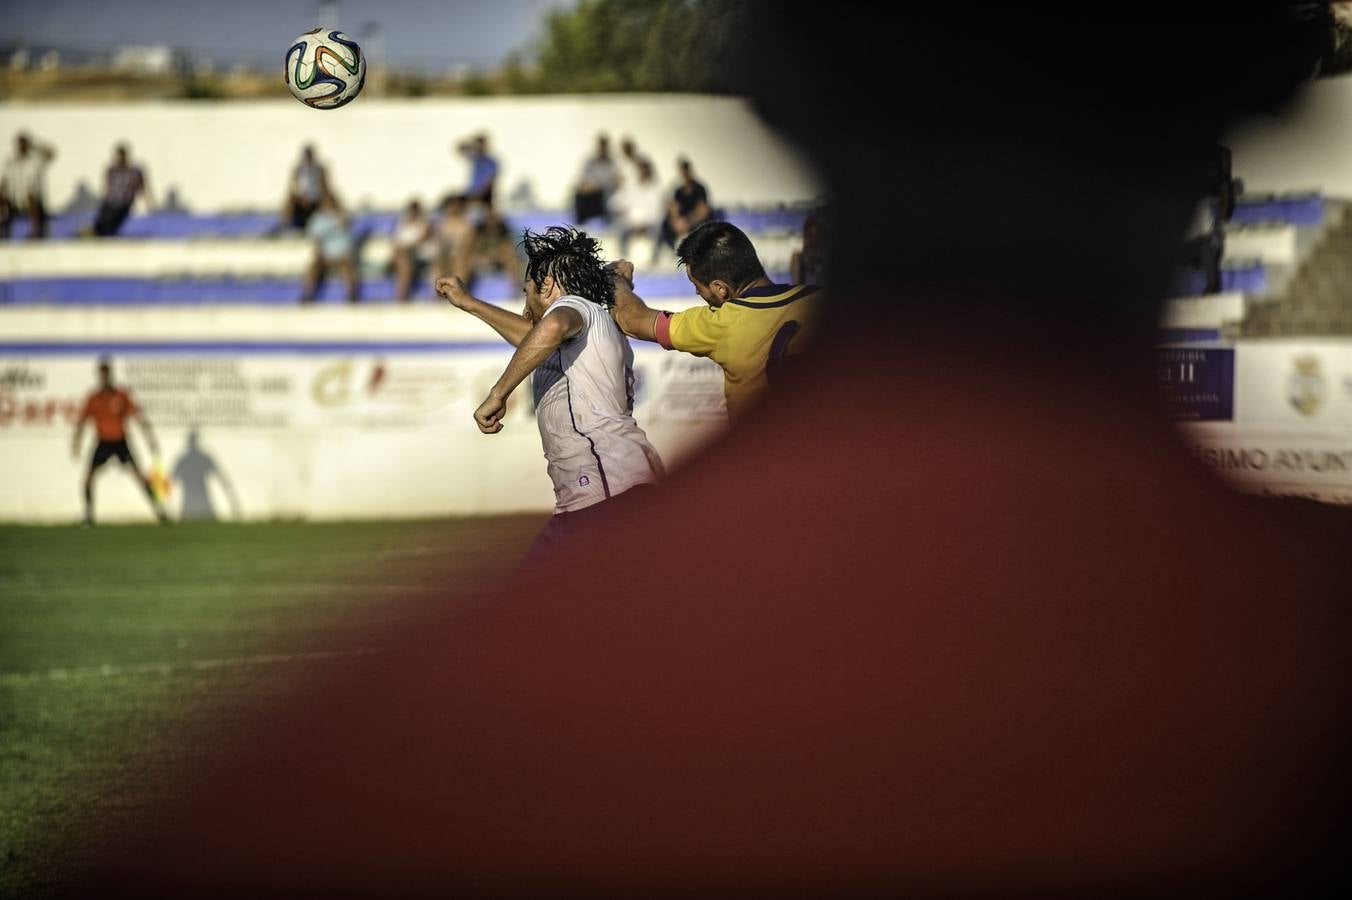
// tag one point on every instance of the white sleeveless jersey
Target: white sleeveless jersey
(584, 404)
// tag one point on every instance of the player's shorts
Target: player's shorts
(107, 450)
(565, 532)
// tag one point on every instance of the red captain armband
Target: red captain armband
(662, 329)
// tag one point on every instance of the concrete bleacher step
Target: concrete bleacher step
(179, 225)
(1317, 298)
(494, 287)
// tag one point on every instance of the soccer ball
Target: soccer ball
(325, 70)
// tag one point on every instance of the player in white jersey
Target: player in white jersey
(582, 367)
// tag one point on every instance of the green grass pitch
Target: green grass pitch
(116, 642)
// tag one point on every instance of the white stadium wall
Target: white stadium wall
(285, 256)
(381, 153)
(1303, 149)
(324, 413)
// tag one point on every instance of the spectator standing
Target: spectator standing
(600, 177)
(122, 184)
(483, 169)
(22, 188)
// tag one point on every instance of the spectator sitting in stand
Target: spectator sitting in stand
(335, 248)
(638, 206)
(629, 150)
(1204, 247)
(412, 233)
(306, 191)
(600, 178)
(22, 186)
(123, 182)
(493, 247)
(688, 208)
(454, 239)
(808, 265)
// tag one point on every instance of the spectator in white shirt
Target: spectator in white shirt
(639, 206)
(22, 186)
(305, 191)
(600, 178)
(412, 234)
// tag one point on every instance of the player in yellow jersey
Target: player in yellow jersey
(750, 324)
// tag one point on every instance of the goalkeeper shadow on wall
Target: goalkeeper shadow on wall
(191, 474)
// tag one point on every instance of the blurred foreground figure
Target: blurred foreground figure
(953, 613)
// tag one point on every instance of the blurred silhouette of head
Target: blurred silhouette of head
(1011, 176)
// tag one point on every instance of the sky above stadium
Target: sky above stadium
(424, 35)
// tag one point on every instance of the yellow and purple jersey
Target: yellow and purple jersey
(747, 336)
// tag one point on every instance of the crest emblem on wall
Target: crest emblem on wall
(1305, 387)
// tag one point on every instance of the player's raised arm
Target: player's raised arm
(635, 318)
(512, 326)
(539, 343)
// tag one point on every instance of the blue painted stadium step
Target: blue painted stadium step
(276, 291)
(177, 225)
(1249, 279)
(1304, 210)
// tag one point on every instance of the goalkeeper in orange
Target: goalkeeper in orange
(110, 407)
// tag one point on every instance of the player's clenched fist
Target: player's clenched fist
(622, 270)
(453, 289)
(489, 414)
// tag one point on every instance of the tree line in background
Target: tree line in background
(596, 46)
(630, 45)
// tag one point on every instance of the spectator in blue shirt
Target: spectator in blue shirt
(483, 169)
(335, 249)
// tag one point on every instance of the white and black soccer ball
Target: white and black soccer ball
(325, 69)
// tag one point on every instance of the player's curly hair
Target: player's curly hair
(573, 258)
